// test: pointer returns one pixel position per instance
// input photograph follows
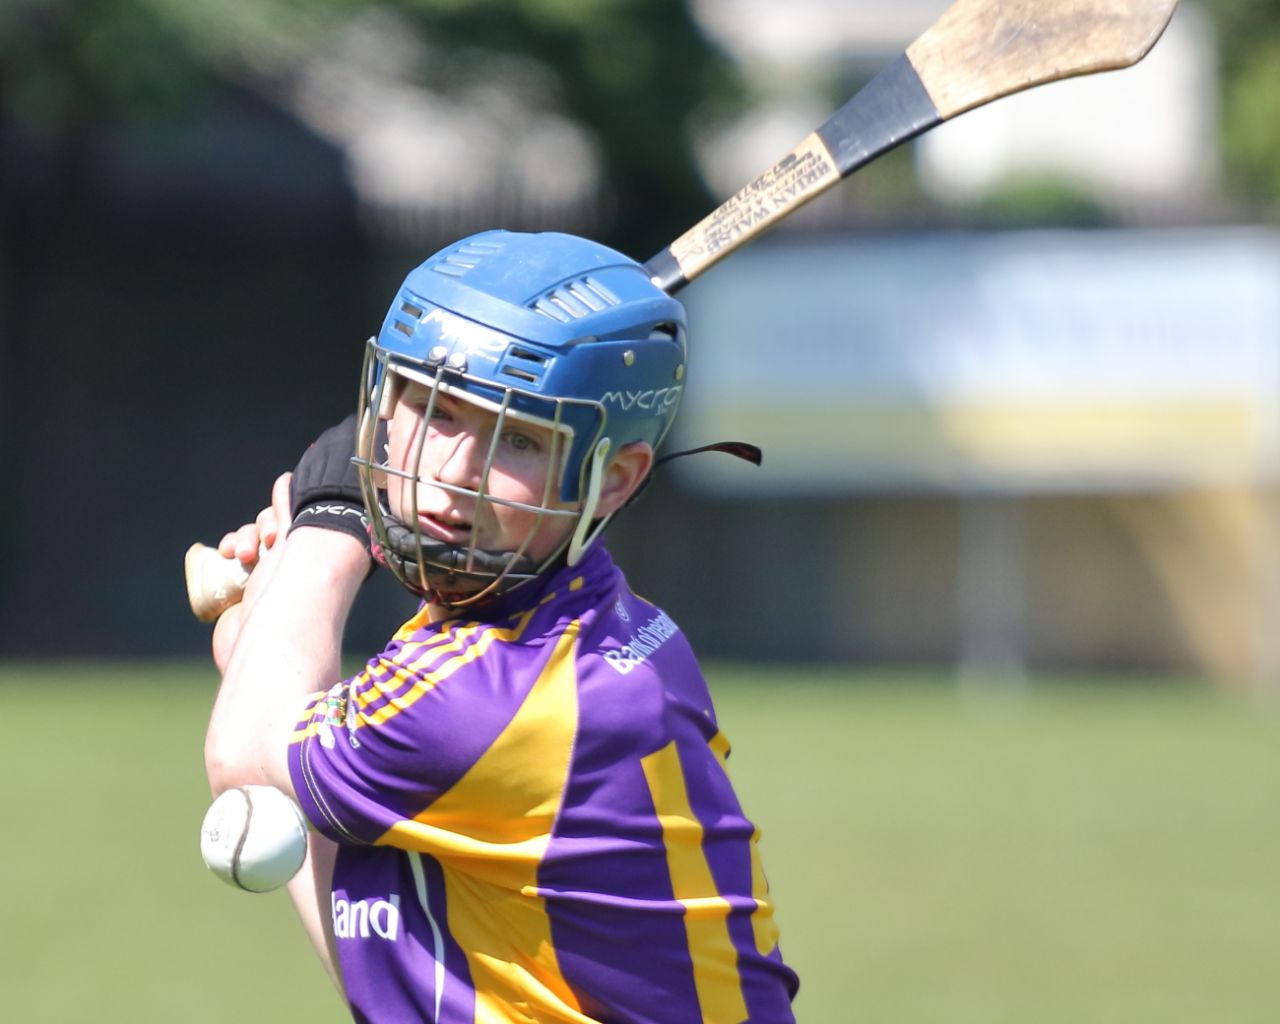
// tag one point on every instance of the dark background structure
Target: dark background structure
(187, 276)
(186, 282)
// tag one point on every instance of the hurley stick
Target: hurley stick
(978, 51)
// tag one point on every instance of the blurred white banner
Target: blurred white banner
(1025, 361)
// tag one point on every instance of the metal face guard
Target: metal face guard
(454, 574)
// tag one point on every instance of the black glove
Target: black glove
(326, 487)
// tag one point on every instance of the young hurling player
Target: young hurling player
(522, 805)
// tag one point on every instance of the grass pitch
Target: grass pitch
(1065, 853)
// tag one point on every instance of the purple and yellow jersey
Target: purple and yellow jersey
(535, 823)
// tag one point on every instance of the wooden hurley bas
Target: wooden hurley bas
(978, 51)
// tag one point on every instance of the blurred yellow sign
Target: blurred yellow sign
(1090, 360)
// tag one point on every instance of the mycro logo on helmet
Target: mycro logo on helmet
(653, 400)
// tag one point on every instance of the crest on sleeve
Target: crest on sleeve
(339, 710)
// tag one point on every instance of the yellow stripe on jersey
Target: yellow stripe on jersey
(719, 744)
(414, 656)
(763, 926)
(706, 913)
(413, 659)
(312, 717)
(315, 700)
(440, 673)
(421, 620)
(489, 833)
(309, 725)
(363, 688)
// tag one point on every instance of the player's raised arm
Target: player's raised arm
(309, 554)
(287, 645)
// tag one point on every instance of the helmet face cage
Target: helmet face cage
(446, 573)
(548, 329)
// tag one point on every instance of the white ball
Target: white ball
(254, 838)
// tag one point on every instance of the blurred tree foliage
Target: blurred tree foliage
(1249, 40)
(62, 61)
(633, 72)
(636, 73)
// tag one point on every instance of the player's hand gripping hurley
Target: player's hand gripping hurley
(978, 51)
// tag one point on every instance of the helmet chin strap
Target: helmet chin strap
(583, 535)
(448, 579)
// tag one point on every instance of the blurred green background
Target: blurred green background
(1069, 852)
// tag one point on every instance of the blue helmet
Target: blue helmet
(544, 328)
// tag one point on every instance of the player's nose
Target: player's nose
(463, 461)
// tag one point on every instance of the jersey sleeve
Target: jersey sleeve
(377, 757)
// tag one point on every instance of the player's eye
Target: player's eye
(522, 442)
(420, 400)
(415, 396)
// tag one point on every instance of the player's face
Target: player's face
(454, 449)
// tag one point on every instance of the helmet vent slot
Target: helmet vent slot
(524, 364)
(590, 290)
(411, 309)
(548, 309)
(465, 257)
(451, 266)
(575, 300)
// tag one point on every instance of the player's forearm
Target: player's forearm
(288, 646)
(310, 891)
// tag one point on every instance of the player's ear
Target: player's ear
(624, 473)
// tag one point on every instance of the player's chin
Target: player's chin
(545, 543)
